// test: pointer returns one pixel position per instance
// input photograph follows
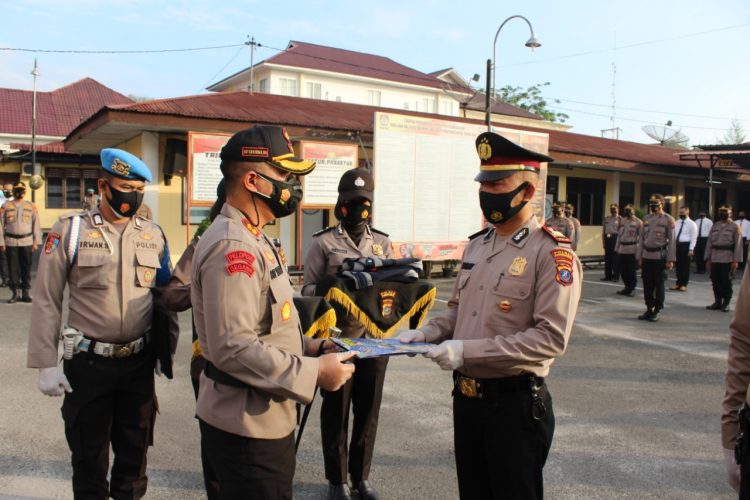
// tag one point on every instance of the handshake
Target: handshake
(449, 354)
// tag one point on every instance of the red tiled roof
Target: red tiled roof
(314, 113)
(52, 147)
(478, 103)
(58, 111)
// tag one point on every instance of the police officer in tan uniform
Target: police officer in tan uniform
(737, 394)
(257, 364)
(510, 314)
(569, 212)
(610, 230)
(723, 255)
(626, 247)
(352, 237)
(22, 234)
(655, 254)
(111, 259)
(559, 222)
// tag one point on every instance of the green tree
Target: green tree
(734, 135)
(531, 99)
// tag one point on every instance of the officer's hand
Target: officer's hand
(2, 248)
(157, 368)
(53, 382)
(449, 355)
(708, 264)
(669, 265)
(733, 266)
(334, 371)
(733, 470)
(409, 336)
(34, 247)
(690, 253)
(318, 347)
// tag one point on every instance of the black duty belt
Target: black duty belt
(628, 242)
(489, 387)
(18, 236)
(654, 249)
(221, 377)
(722, 247)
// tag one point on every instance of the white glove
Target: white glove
(409, 336)
(449, 355)
(53, 382)
(157, 368)
(733, 470)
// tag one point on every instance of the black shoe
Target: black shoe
(605, 279)
(25, 297)
(14, 298)
(3, 284)
(366, 491)
(631, 293)
(714, 307)
(339, 492)
(655, 316)
(624, 291)
(725, 305)
(615, 279)
(647, 315)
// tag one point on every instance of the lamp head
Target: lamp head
(533, 42)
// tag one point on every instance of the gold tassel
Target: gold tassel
(197, 351)
(321, 327)
(423, 304)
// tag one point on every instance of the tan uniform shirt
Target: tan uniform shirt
(110, 284)
(563, 225)
(513, 303)
(611, 226)
(248, 327)
(176, 295)
(20, 218)
(629, 236)
(738, 365)
(724, 243)
(327, 252)
(657, 238)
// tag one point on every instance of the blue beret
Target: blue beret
(124, 165)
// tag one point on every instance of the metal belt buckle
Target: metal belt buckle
(122, 351)
(468, 387)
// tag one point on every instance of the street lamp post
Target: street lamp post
(532, 43)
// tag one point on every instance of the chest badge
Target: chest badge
(387, 298)
(94, 235)
(504, 306)
(148, 275)
(146, 236)
(518, 266)
(377, 249)
(286, 311)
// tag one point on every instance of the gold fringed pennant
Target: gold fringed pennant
(421, 306)
(320, 328)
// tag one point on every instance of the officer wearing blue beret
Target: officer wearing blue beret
(111, 259)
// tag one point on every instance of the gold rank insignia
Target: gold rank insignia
(377, 249)
(484, 149)
(146, 236)
(286, 311)
(254, 230)
(285, 195)
(518, 266)
(94, 235)
(504, 306)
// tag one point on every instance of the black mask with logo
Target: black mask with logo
(613, 211)
(683, 217)
(568, 213)
(19, 193)
(723, 215)
(628, 212)
(356, 216)
(496, 206)
(124, 203)
(654, 207)
(7, 193)
(285, 197)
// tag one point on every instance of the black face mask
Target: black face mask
(124, 203)
(628, 212)
(284, 198)
(496, 206)
(356, 216)
(683, 217)
(568, 213)
(654, 207)
(19, 193)
(613, 211)
(741, 217)
(723, 215)
(7, 194)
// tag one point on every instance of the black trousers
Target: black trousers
(4, 274)
(744, 253)
(19, 267)
(113, 402)
(363, 392)
(611, 270)
(627, 270)
(722, 283)
(250, 467)
(500, 448)
(699, 254)
(653, 275)
(682, 265)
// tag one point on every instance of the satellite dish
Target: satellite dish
(666, 136)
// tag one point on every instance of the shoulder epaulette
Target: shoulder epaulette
(318, 233)
(479, 233)
(70, 215)
(556, 235)
(378, 231)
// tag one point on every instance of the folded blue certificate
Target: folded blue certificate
(373, 348)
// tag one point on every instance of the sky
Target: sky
(658, 60)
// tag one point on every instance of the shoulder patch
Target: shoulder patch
(240, 261)
(378, 231)
(555, 234)
(322, 231)
(479, 233)
(564, 263)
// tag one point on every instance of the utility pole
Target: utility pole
(252, 45)
(35, 169)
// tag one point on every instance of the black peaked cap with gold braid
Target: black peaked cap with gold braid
(501, 157)
(266, 143)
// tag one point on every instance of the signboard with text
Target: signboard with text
(204, 173)
(332, 160)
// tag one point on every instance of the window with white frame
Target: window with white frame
(313, 90)
(428, 105)
(263, 85)
(448, 107)
(373, 97)
(288, 86)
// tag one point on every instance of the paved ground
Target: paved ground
(637, 408)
